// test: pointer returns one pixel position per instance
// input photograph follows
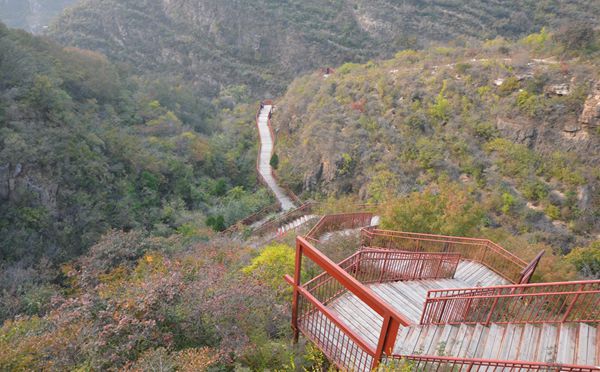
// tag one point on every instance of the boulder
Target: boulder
(558, 90)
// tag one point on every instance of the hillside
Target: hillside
(85, 148)
(128, 145)
(264, 44)
(31, 15)
(514, 124)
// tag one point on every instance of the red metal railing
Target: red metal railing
(528, 303)
(528, 271)
(484, 251)
(441, 363)
(380, 266)
(334, 222)
(254, 217)
(310, 315)
(271, 226)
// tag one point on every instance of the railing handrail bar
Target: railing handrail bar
(399, 233)
(284, 216)
(323, 220)
(494, 362)
(511, 286)
(323, 309)
(449, 239)
(533, 262)
(315, 227)
(390, 251)
(324, 273)
(386, 251)
(350, 283)
(509, 295)
(508, 256)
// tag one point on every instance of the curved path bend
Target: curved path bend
(264, 159)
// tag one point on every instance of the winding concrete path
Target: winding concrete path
(264, 158)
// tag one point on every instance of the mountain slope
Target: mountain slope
(502, 119)
(265, 43)
(85, 148)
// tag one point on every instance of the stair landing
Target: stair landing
(567, 343)
(554, 343)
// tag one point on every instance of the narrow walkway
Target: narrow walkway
(264, 158)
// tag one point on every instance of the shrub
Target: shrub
(515, 160)
(587, 260)
(448, 210)
(509, 85)
(534, 190)
(537, 40)
(529, 103)
(440, 109)
(508, 201)
(217, 223)
(274, 162)
(273, 262)
(552, 211)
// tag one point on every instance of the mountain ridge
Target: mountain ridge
(265, 44)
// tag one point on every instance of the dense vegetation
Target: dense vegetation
(116, 168)
(485, 118)
(84, 148)
(147, 303)
(264, 44)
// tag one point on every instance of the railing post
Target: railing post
(489, 317)
(485, 249)
(564, 318)
(383, 268)
(297, 278)
(439, 267)
(387, 339)
(425, 306)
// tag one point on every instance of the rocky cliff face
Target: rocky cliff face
(264, 44)
(17, 182)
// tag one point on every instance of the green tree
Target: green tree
(274, 162)
(576, 36)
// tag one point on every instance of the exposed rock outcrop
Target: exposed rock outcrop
(517, 132)
(590, 116)
(16, 183)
